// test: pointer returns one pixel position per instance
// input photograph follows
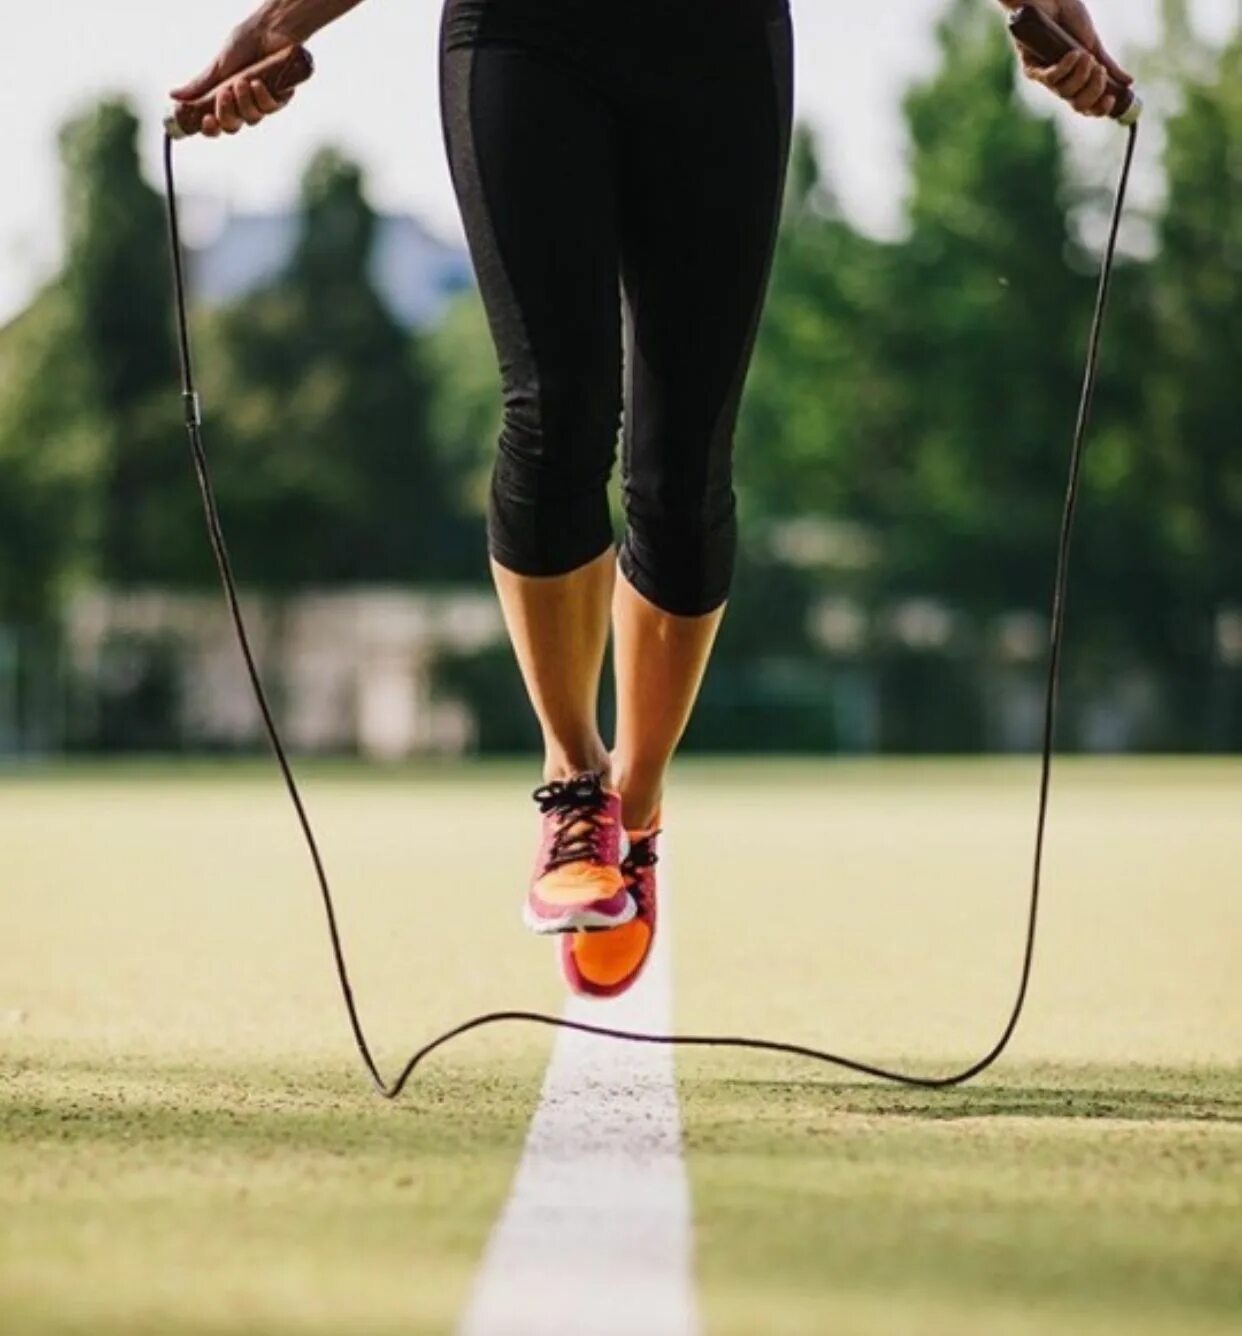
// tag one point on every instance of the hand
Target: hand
(239, 101)
(1080, 77)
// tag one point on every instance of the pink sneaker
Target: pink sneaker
(607, 964)
(577, 884)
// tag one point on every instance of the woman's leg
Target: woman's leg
(704, 147)
(533, 160)
(660, 660)
(559, 629)
(703, 168)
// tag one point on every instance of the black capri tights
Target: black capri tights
(620, 166)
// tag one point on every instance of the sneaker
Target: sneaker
(606, 964)
(577, 884)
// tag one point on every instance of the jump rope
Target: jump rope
(283, 72)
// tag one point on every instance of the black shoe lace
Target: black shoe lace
(579, 805)
(642, 853)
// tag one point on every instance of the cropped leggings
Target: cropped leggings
(619, 165)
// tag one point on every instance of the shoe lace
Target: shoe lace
(578, 805)
(642, 854)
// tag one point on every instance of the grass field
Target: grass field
(187, 1145)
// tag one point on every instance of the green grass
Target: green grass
(1093, 1182)
(186, 1141)
(1083, 1200)
(187, 1146)
(166, 1199)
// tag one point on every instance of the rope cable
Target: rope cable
(391, 1089)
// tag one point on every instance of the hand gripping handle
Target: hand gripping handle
(280, 74)
(1048, 41)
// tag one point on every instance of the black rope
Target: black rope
(391, 1089)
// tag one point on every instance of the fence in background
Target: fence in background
(389, 674)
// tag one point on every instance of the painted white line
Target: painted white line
(596, 1237)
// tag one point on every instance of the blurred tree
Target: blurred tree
(82, 435)
(466, 403)
(325, 464)
(115, 283)
(820, 392)
(904, 431)
(1181, 51)
(990, 338)
(49, 459)
(926, 388)
(1193, 400)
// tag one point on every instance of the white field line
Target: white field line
(596, 1238)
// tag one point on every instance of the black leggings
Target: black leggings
(603, 149)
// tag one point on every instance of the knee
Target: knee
(681, 546)
(548, 506)
(558, 434)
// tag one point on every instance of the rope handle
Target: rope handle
(1046, 39)
(280, 74)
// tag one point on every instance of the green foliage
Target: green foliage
(922, 386)
(903, 435)
(49, 458)
(1193, 384)
(927, 388)
(989, 340)
(115, 283)
(324, 462)
(81, 432)
(465, 397)
(819, 393)
(115, 272)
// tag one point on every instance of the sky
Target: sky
(375, 95)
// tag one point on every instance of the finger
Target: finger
(1121, 75)
(202, 85)
(1055, 75)
(1033, 66)
(247, 108)
(264, 99)
(1079, 77)
(1093, 90)
(1104, 107)
(1079, 24)
(210, 127)
(226, 111)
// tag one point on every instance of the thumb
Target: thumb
(213, 75)
(239, 51)
(1078, 22)
(1122, 76)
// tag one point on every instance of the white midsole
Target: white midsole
(577, 918)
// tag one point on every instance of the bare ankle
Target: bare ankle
(641, 796)
(561, 763)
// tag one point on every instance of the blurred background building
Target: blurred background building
(415, 273)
